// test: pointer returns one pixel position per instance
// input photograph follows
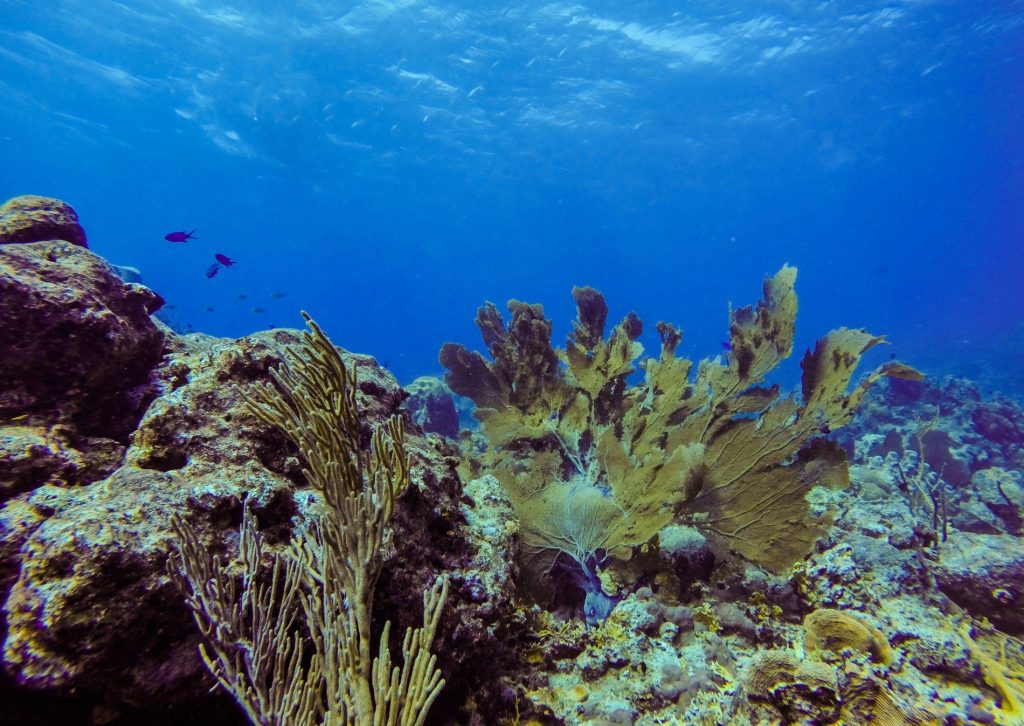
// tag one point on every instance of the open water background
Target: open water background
(389, 165)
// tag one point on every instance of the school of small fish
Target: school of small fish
(220, 261)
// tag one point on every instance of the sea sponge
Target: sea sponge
(834, 630)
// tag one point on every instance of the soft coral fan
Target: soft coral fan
(716, 449)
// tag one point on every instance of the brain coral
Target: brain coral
(834, 630)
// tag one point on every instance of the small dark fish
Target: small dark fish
(180, 236)
(213, 269)
(242, 296)
(209, 309)
(224, 260)
(277, 295)
(258, 310)
(726, 345)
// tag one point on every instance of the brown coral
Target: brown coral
(804, 691)
(717, 450)
(834, 630)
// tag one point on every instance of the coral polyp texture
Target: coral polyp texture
(596, 463)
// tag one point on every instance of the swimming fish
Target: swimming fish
(726, 345)
(242, 296)
(224, 260)
(277, 295)
(180, 236)
(212, 269)
(258, 310)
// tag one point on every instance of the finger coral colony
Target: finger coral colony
(204, 530)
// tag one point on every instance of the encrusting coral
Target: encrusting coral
(255, 634)
(594, 465)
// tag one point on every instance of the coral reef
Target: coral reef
(834, 630)
(951, 463)
(892, 596)
(595, 466)
(93, 627)
(79, 342)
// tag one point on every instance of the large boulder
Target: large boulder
(431, 405)
(78, 341)
(984, 574)
(37, 219)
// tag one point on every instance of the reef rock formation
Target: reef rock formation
(38, 219)
(79, 345)
(432, 407)
(113, 424)
(79, 342)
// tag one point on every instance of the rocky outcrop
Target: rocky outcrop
(432, 406)
(984, 574)
(34, 455)
(111, 425)
(37, 219)
(79, 342)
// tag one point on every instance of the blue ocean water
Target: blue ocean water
(388, 165)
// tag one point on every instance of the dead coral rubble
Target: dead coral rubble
(593, 463)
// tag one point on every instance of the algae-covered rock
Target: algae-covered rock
(91, 610)
(78, 341)
(432, 407)
(30, 218)
(984, 573)
(34, 455)
(1002, 491)
(797, 690)
(92, 589)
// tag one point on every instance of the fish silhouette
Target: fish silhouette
(180, 236)
(212, 269)
(224, 260)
